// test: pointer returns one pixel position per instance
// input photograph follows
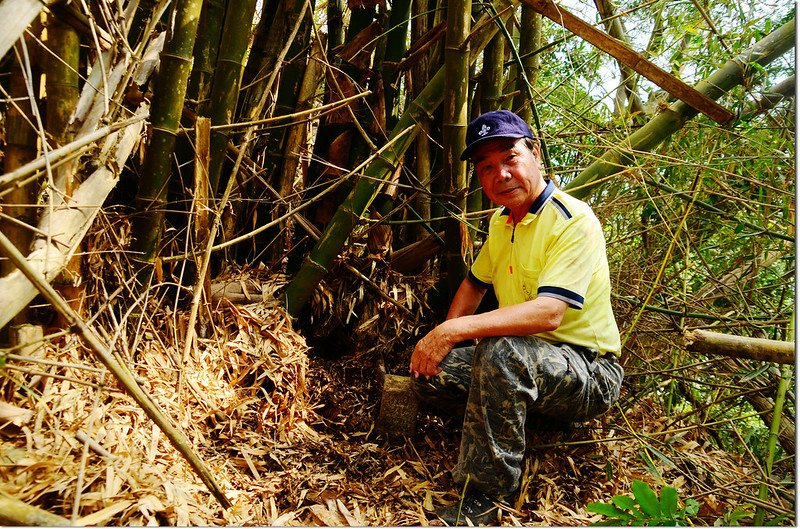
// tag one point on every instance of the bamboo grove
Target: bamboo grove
(320, 142)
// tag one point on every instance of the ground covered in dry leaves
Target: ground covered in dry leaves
(290, 437)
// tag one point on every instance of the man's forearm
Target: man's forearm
(466, 301)
(539, 315)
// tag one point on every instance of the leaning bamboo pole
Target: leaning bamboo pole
(65, 226)
(16, 512)
(126, 378)
(760, 349)
(731, 74)
(317, 262)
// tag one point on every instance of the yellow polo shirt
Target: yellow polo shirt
(557, 250)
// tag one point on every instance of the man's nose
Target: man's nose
(503, 174)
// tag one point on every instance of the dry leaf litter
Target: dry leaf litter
(289, 432)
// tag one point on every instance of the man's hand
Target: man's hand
(430, 351)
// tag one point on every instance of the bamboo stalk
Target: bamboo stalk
(227, 80)
(104, 354)
(16, 512)
(209, 29)
(662, 126)
(168, 99)
(19, 150)
(454, 133)
(316, 264)
(770, 97)
(395, 48)
(529, 42)
(780, 396)
(760, 349)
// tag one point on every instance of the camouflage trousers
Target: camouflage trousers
(500, 383)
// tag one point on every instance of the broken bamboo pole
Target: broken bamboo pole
(628, 57)
(760, 349)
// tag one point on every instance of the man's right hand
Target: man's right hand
(430, 351)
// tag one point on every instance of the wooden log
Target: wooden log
(760, 349)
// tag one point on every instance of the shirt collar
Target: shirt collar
(541, 200)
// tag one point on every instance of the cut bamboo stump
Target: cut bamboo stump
(399, 406)
(740, 346)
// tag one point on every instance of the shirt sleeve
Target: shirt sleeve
(481, 271)
(571, 261)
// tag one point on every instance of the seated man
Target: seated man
(549, 349)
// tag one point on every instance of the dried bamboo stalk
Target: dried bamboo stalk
(16, 512)
(51, 254)
(16, 16)
(740, 346)
(121, 372)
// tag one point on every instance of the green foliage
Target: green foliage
(646, 508)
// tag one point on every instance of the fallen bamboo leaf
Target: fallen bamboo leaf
(104, 515)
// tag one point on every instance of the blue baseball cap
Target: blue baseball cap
(494, 124)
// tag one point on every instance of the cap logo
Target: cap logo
(484, 130)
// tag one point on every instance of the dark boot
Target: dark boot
(479, 508)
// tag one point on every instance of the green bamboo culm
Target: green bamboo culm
(529, 34)
(526, 86)
(316, 264)
(772, 442)
(454, 132)
(492, 78)
(209, 31)
(395, 48)
(62, 78)
(227, 80)
(168, 96)
(662, 126)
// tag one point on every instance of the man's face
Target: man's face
(509, 173)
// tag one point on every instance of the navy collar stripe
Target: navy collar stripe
(541, 200)
(562, 208)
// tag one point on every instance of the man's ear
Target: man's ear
(536, 150)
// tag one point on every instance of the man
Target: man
(551, 347)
